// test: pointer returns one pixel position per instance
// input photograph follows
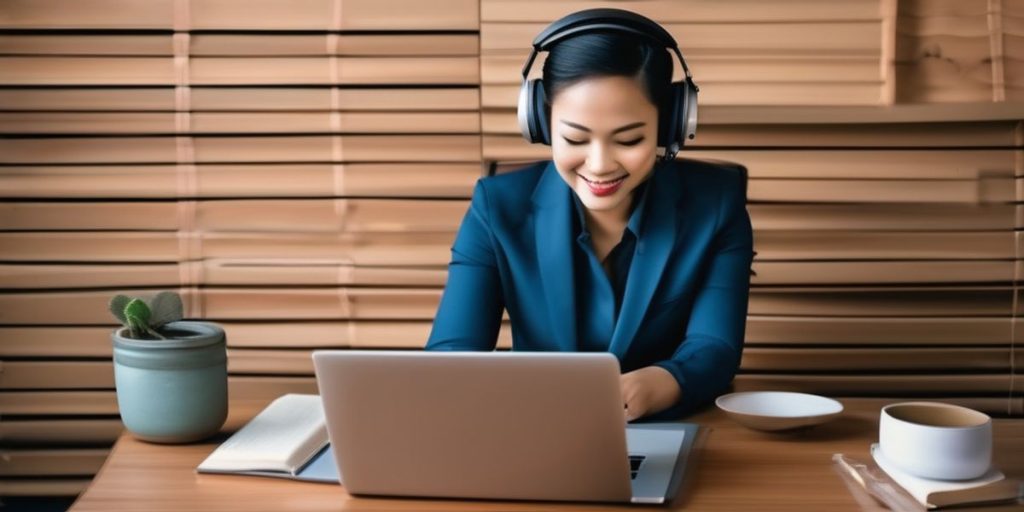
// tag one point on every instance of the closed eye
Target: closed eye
(633, 142)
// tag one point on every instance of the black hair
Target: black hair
(608, 53)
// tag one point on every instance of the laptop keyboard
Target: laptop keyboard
(635, 461)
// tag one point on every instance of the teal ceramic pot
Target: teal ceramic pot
(173, 390)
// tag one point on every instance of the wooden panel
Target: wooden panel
(90, 307)
(206, 71)
(872, 360)
(883, 167)
(56, 375)
(63, 462)
(267, 215)
(43, 123)
(947, 57)
(369, 249)
(60, 431)
(260, 391)
(882, 272)
(882, 302)
(866, 245)
(970, 191)
(230, 99)
(226, 14)
(269, 388)
(683, 10)
(454, 180)
(87, 341)
(159, 150)
(885, 217)
(255, 45)
(44, 487)
(57, 402)
(875, 385)
(241, 272)
(800, 331)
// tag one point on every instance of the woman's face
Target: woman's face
(604, 137)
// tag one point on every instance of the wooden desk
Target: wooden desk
(738, 469)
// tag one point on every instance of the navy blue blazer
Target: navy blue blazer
(685, 303)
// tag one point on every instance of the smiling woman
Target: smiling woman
(607, 247)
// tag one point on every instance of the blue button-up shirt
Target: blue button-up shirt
(598, 298)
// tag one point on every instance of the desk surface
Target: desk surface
(738, 469)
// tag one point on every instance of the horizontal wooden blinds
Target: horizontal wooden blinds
(297, 169)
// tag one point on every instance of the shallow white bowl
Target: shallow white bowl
(778, 410)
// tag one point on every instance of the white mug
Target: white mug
(936, 440)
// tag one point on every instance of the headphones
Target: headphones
(677, 121)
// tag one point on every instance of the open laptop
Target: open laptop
(494, 425)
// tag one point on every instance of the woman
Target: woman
(605, 247)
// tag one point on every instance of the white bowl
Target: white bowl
(936, 440)
(778, 410)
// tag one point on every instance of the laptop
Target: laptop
(494, 425)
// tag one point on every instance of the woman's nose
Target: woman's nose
(600, 160)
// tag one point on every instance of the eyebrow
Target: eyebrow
(622, 128)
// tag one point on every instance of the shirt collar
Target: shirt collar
(636, 215)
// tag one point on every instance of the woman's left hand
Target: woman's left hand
(648, 390)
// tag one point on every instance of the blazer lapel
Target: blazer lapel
(553, 238)
(658, 234)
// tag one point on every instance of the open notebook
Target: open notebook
(287, 439)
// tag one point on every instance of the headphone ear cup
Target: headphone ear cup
(532, 112)
(689, 117)
(542, 125)
(523, 111)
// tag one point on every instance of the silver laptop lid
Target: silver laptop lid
(499, 425)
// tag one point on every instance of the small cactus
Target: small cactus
(143, 317)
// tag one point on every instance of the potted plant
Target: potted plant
(170, 374)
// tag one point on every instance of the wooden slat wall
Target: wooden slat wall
(298, 170)
(295, 169)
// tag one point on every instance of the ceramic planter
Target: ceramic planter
(173, 390)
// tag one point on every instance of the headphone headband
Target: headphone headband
(602, 18)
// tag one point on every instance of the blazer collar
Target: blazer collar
(554, 241)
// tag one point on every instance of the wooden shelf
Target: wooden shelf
(910, 113)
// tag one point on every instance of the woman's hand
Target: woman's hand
(648, 390)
